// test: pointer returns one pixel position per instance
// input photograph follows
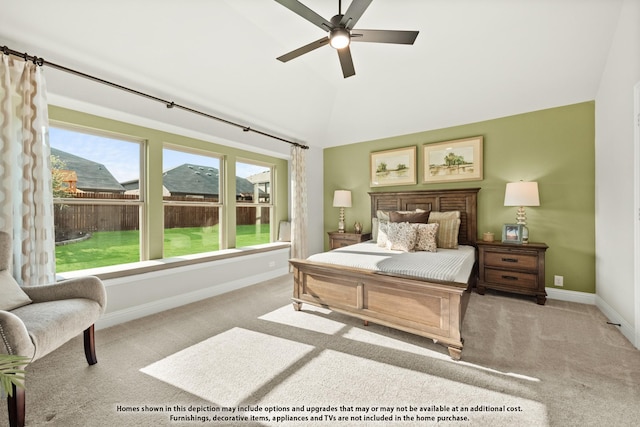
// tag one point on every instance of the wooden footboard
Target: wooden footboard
(430, 309)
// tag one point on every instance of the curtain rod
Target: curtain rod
(169, 104)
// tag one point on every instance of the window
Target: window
(96, 210)
(124, 193)
(254, 203)
(191, 184)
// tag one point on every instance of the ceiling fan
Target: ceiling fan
(341, 32)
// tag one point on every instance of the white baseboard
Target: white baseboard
(571, 296)
(625, 327)
(132, 313)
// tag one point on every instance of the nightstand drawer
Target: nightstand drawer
(511, 260)
(345, 237)
(511, 278)
(337, 243)
(340, 240)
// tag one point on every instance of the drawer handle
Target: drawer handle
(509, 277)
(510, 259)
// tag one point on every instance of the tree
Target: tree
(382, 167)
(60, 190)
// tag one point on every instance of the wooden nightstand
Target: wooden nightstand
(340, 240)
(512, 268)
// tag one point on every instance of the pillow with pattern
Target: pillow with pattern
(401, 236)
(426, 237)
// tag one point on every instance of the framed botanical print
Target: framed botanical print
(457, 160)
(393, 167)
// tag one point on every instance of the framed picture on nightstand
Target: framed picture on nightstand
(512, 233)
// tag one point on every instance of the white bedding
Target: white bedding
(451, 265)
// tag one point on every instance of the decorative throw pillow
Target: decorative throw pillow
(384, 215)
(426, 237)
(383, 231)
(402, 236)
(449, 227)
(374, 229)
(11, 296)
(412, 217)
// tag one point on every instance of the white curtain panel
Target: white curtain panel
(26, 199)
(298, 203)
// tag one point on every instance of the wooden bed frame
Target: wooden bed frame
(432, 309)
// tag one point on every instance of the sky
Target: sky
(122, 158)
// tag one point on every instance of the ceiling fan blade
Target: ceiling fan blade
(304, 49)
(354, 12)
(346, 62)
(384, 36)
(308, 14)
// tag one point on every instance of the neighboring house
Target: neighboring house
(82, 175)
(262, 181)
(189, 180)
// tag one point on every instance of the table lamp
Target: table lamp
(522, 194)
(341, 199)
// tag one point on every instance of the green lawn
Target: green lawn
(121, 247)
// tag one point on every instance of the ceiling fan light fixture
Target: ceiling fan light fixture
(339, 38)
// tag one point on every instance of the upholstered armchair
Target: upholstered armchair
(35, 320)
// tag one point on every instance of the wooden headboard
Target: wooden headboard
(464, 200)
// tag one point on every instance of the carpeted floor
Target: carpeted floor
(247, 358)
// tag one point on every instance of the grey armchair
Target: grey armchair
(50, 316)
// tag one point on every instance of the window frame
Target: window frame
(220, 204)
(272, 196)
(142, 167)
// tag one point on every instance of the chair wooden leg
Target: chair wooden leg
(15, 407)
(90, 345)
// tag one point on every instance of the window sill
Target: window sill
(124, 270)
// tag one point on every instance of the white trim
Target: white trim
(571, 296)
(132, 313)
(625, 327)
(636, 213)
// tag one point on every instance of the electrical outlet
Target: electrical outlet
(558, 280)
(272, 264)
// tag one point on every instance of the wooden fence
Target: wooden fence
(97, 217)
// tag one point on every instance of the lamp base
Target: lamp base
(521, 218)
(341, 221)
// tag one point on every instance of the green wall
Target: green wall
(555, 147)
(155, 140)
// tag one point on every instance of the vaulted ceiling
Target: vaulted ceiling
(473, 60)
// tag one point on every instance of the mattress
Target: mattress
(450, 265)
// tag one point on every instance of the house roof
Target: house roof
(91, 176)
(192, 179)
(472, 61)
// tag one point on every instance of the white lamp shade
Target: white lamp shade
(342, 199)
(522, 194)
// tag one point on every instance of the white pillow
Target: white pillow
(11, 296)
(383, 231)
